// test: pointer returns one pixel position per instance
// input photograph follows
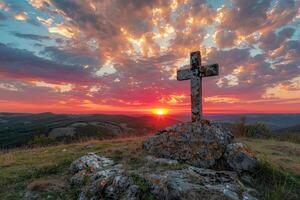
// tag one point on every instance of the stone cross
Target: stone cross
(195, 73)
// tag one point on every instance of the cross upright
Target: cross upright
(195, 74)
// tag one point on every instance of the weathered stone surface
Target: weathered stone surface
(187, 183)
(195, 74)
(240, 158)
(98, 177)
(161, 161)
(193, 183)
(92, 162)
(200, 144)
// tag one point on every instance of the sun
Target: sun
(160, 111)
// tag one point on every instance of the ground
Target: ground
(46, 169)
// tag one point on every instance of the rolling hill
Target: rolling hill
(17, 129)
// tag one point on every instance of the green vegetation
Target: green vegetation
(45, 169)
(273, 183)
(241, 128)
(146, 195)
(90, 131)
(278, 176)
(29, 168)
(41, 140)
(17, 129)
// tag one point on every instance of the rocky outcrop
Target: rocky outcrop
(200, 144)
(188, 161)
(239, 158)
(107, 180)
(99, 177)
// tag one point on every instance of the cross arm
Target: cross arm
(210, 70)
(183, 74)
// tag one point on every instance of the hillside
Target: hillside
(272, 121)
(17, 129)
(292, 129)
(44, 171)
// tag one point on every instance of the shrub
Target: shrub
(274, 184)
(290, 137)
(41, 140)
(257, 130)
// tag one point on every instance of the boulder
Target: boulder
(193, 183)
(98, 177)
(159, 182)
(239, 158)
(200, 144)
(91, 162)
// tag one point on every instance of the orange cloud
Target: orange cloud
(22, 16)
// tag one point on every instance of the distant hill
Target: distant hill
(17, 129)
(293, 129)
(272, 121)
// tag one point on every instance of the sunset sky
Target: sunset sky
(121, 56)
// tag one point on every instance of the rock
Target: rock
(98, 177)
(189, 183)
(193, 183)
(239, 158)
(161, 161)
(90, 162)
(195, 143)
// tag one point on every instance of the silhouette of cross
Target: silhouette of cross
(195, 73)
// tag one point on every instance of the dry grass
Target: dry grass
(8, 159)
(284, 155)
(46, 184)
(22, 167)
(42, 168)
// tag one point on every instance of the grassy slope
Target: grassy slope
(284, 155)
(43, 167)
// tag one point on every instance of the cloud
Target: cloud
(56, 87)
(61, 29)
(124, 54)
(7, 86)
(272, 41)
(32, 36)
(22, 64)
(225, 38)
(47, 22)
(4, 6)
(2, 17)
(21, 16)
(247, 18)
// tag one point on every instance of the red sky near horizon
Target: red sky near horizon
(117, 56)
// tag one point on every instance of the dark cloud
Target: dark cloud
(22, 64)
(225, 38)
(70, 56)
(247, 17)
(144, 42)
(272, 41)
(2, 16)
(33, 22)
(31, 36)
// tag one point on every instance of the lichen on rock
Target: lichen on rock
(239, 158)
(195, 143)
(187, 183)
(195, 160)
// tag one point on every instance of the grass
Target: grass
(146, 195)
(19, 168)
(39, 169)
(283, 155)
(278, 175)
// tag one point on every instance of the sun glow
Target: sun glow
(160, 111)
